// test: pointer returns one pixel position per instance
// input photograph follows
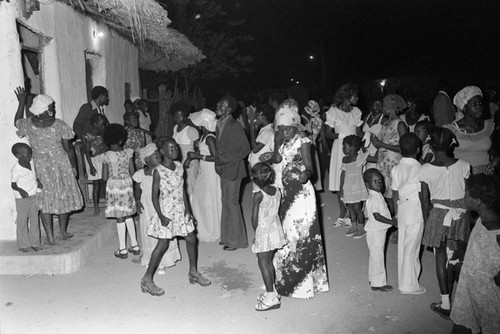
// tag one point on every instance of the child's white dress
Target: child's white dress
(172, 205)
(269, 234)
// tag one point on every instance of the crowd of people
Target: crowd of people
(431, 178)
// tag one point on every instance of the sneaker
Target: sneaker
(419, 291)
(339, 222)
(352, 231)
(359, 234)
(443, 313)
(347, 222)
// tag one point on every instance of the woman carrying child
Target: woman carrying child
(118, 167)
(269, 234)
(94, 147)
(55, 163)
(352, 188)
(172, 217)
(150, 158)
(447, 224)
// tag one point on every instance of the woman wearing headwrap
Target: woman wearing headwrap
(300, 265)
(345, 119)
(55, 163)
(313, 125)
(143, 182)
(387, 141)
(206, 199)
(472, 131)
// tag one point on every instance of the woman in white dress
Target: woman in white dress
(344, 118)
(185, 136)
(206, 200)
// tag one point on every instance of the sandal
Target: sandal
(120, 255)
(443, 313)
(136, 250)
(266, 304)
(198, 278)
(347, 222)
(151, 288)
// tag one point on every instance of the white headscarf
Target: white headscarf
(463, 96)
(147, 151)
(41, 103)
(204, 117)
(134, 98)
(287, 114)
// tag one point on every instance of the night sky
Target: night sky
(362, 40)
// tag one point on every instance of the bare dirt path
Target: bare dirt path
(105, 297)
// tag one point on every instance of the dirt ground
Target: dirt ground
(105, 297)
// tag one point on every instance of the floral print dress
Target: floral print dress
(300, 264)
(60, 193)
(269, 233)
(120, 201)
(172, 205)
(136, 140)
(388, 159)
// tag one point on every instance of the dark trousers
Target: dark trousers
(28, 235)
(233, 231)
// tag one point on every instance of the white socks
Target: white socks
(131, 231)
(445, 302)
(122, 235)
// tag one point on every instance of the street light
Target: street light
(311, 57)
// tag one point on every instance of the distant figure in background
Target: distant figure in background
(412, 115)
(373, 125)
(263, 127)
(443, 111)
(100, 98)
(142, 109)
(136, 138)
(423, 129)
(128, 105)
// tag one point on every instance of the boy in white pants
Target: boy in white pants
(406, 188)
(379, 221)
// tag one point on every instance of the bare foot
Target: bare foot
(51, 242)
(67, 236)
(96, 212)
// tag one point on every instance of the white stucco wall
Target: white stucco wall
(63, 71)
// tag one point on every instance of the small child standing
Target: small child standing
(447, 223)
(172, 217)
(269, 234)
(352, 189)
(120, 202)
(93, 145)
(407, 207)
(379, 221)
(151, 159)
(25, 186)
(423, 129)
(136, 138)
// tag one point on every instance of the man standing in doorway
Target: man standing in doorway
(232, 149)
(100, 98)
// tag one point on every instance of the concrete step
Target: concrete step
(69, 256)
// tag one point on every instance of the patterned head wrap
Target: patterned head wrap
(41, 103)
(147, 151)
(287, 114)
(204, 117)
(312, 108)
(394, 102)
(463, 96)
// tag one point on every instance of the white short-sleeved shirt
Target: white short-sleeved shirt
(24, 178)
(446, 182)
(266, 137)
(376, 203)
(406, 181)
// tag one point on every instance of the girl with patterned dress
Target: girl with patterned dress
(345, 119)
(447, 223)
(268, 231)
(300, 264)
(136, 137)
(172, 217)
(118, 167)
(55, 163)
(353, 189)
(93, 145)
(143, 178)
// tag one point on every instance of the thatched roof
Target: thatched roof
(146, 23)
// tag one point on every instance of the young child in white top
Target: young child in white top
(379, 221)
(25, 186)
(423, 129)
(406, 199)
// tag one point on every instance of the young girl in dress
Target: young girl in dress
(136, 138)
(269, 234)
(423, 129)
(120, 202)
(447, 223)
(93, 145)
(353, 190)
(172, 217)
(143, 178)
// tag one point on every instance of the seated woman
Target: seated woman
(472, 131)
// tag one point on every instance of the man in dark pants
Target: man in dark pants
(232, 149)
(100, 98)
